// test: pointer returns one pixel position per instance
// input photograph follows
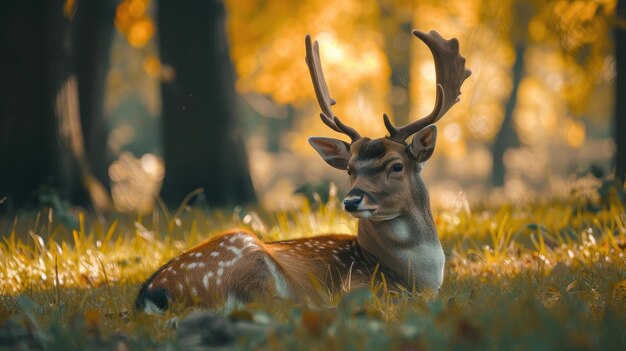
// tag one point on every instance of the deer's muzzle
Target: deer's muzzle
(351, 202)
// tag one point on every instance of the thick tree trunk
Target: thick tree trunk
(28, 140)
(620, 93)
(62, 99)
(202, 144)
(93, 37)
(40, 135)
(507, 137)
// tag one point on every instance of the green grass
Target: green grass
(544, 275)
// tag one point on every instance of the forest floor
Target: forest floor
(540, 275)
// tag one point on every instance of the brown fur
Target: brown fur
(309, 267)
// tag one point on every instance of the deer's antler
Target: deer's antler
(451, 72)
(321, 91)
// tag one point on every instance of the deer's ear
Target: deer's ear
(423, 143)
(334, 151)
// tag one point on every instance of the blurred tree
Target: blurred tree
(27, 138)
(521, 13)
(507, 138)
(202, 144)
(580, 32)
(396, 26)
(92, 38)
(40, 135)
(620, 92)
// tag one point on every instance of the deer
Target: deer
(396, 239)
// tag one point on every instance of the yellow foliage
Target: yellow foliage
(140, 32)
(134, 23)
(565, 59)
(269, 56)
(574, 133)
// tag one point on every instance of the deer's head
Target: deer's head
(384, 171)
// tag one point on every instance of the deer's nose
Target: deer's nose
(352, 202)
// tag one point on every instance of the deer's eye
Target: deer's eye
(397, 167)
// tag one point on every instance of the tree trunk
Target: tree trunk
(40, 137)
(28, 141)
(507, 137)
(620, 93)
(93, 37)
(202, 144)
(62, 96)
(396, 26)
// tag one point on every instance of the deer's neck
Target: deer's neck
(408, 244)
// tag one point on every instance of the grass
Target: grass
(545, 274)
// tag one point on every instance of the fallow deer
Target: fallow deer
(396, 235)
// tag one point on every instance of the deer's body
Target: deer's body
(396, 238)
(203, 275)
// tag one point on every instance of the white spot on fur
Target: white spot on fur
(194, 292)
(218, 281)
(279, 281)
(215, 254)
(220, 271)
(180, 287)
(198, 254)
(232, 303)
(150, 286)
(234, 250)
(235, 238)
(205, 279)
(337, 258)
(195, 265)
(249, 245)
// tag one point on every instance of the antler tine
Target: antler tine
(321, 90)
(451, 73)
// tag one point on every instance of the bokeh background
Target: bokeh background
(133, 101)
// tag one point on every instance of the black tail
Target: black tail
(152, 300)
